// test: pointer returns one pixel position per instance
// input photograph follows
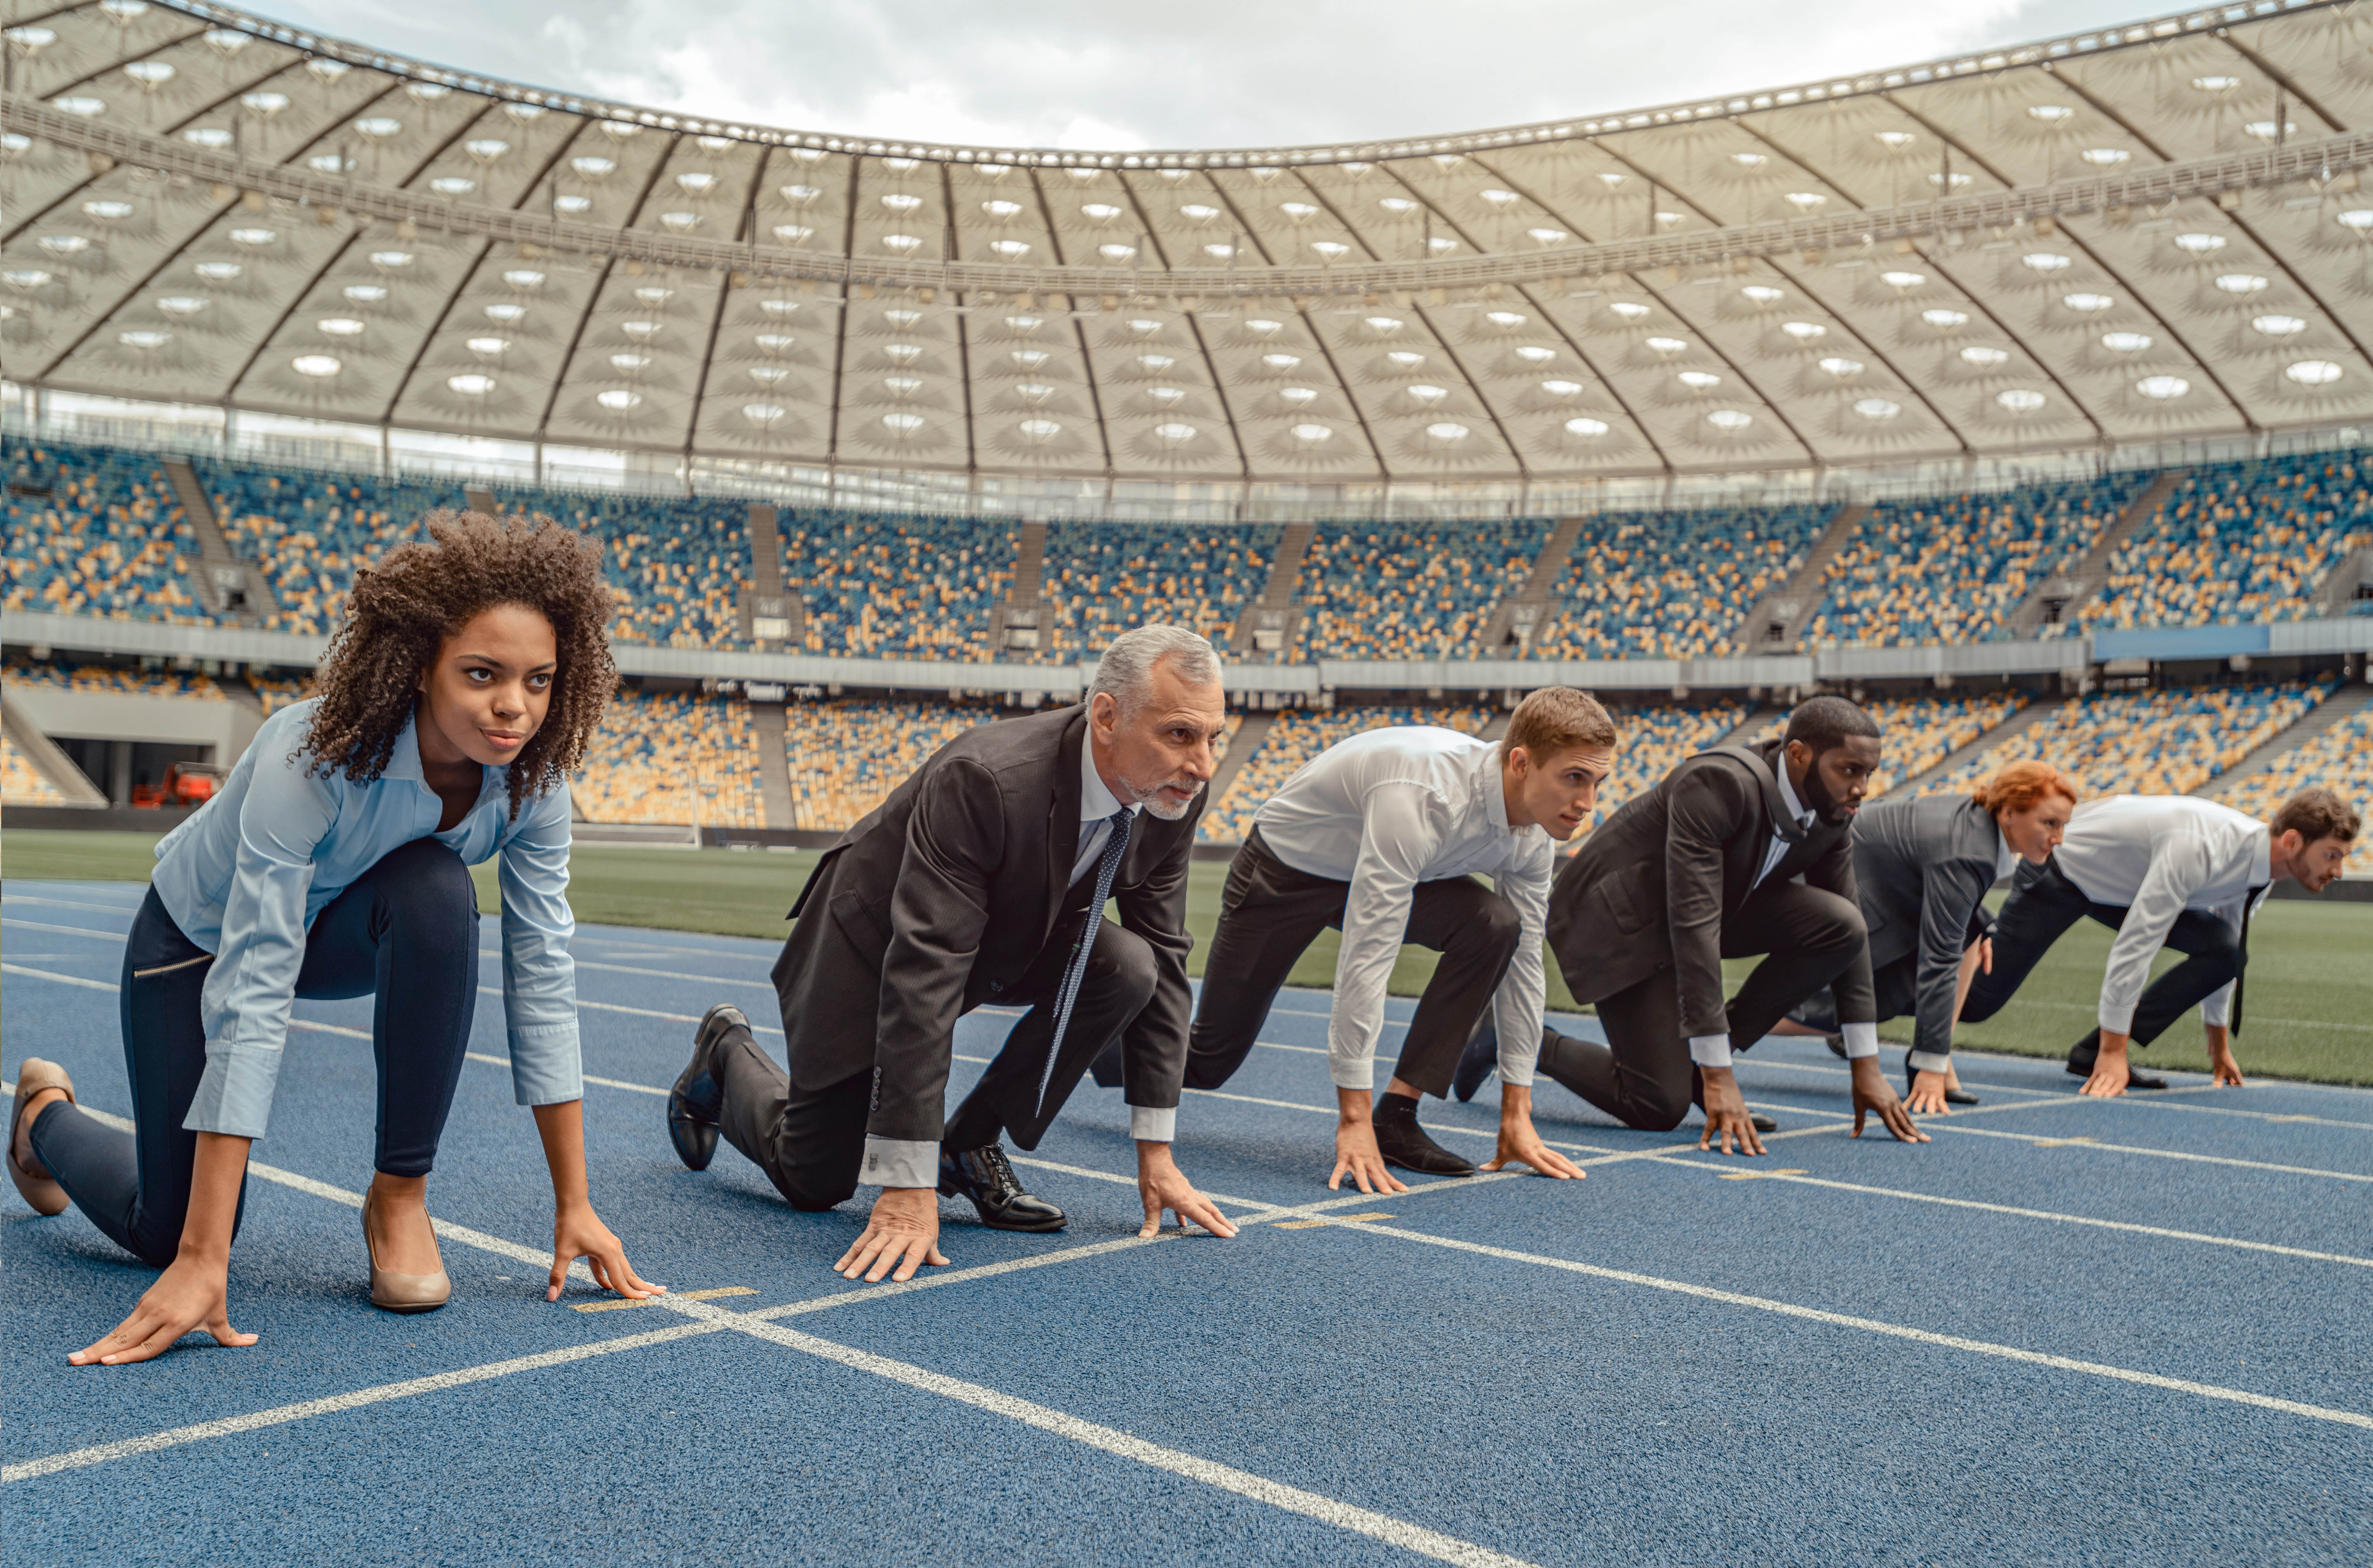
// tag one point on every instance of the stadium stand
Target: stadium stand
(1409, 593)
(1652, 741)
(676, 566)
(1672, 585)
(1970, 559)
(2238, 542)
(93, 531)
(2166, 742)
(20, 784)
(1917, 732)
(2339, 759)
(1297, 736)
(672, 757)
(846, 757)
(76, 675)
(308, 532)
(1103, 578)
(895, 587)
(276, 692)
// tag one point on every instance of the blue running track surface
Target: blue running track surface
(2067, 1331)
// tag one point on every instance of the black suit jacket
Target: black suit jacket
(1923, 866)
(939, 900)
(1651, 888)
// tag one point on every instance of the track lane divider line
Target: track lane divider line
(2038, 1140)
(1874, 1326)
(1383, 1528)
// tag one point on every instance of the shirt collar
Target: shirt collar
(1788, 796)
(1488, 781)
(1096, 800)
(404, 762)
(2006, 857)
(2261, 857)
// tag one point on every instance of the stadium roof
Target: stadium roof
(2139, 234)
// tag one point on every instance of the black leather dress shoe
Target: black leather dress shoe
(986, 1176)
(1837, 1045)
(697, 1099)
(2081, 1061)
(1476, 1062)
(1761, 1122)
(1405, 1144)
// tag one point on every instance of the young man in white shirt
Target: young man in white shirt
(2162, 871)
(1381, 836)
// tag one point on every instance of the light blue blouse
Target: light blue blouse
(244, 877)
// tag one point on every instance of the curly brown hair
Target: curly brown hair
(404, 607)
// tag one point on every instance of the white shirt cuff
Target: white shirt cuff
(1149, 1125)
(899, 1162)
(1710, 1050)
(2116, 1019)
(1862, 1039)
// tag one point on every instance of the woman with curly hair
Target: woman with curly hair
(333, 862)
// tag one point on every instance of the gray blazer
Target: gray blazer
(941, 897)
(1922, 867)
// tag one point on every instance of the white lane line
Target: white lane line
(198, 1432)
(60, 978)
(70, 930)
(2159, 1153)
(582, 1077)
(1874, 1326)
(673, 974)
(1121, 1444)
(69, 904)
(2035, 1214)
(2149, 1100)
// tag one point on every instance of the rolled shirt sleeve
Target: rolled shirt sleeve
(1401, 825)
(1517, 1005)
(2180, 863)
(539, 975)
(245, 1002)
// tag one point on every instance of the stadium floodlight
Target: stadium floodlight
(365, 293)
(1665, 346)
(214, 138)
(2358, 220)
(1763, 294)
(902, 425)
(1039, 431)
(1804, 331)
(2314, 371)
(339, 326)
(145, 339)
(451, 185)
(902, 317)
(1193, 212)
(1730, 420)
(1945, 319)
(2051, 113)
(2105, 158)
(1384, 326)
(2200, 244)
(1427, 396)
(1298, 397)
(223, 272)
(617, 400)
(255, 239)
(1166, 397)
(524, 278)
(762, 413)
(315, 365)
(593, 168)
(1281, 361)
(2241, 283)
(1156, 362)
(1588, 429)
(1559, 388)
(471, 385)
(506, 313)
(1406, 359)
(1000, 209)
(899, 202)
(378, 127)
(1699, 380)
(1504, 320)
(2087, 303)
(108, 212)
(1175, 435)
(2162, 388)
(572, 206)
(2125, 342)
(1630, 309)
(1312, 435)
(2279, 326)
(2020, 399)
(181, 304)
(2046, 261)
(1143, 326)
(768, 375)
(264, 104)
(1841, 367)
(1876, 410)
(1448, 432)
(1902, 280)
(641, 331)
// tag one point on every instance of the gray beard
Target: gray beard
(1153, 803)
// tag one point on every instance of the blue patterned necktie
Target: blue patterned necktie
(1107, 867)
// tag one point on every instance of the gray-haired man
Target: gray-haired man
(982, 880)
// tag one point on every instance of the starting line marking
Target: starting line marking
(625, 1303)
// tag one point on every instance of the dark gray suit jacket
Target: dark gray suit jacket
(1923, 866)
(941, 899)
(1651, 886)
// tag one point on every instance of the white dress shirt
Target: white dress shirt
(1097, 804)
(2157, 856)
(1862, 1039)
(1385, 811)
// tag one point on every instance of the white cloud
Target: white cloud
(1076, 73)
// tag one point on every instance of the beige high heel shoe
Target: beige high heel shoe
(402, 1293)
(37, 1186)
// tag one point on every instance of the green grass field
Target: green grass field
(2311, 1010)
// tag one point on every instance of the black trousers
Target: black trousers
(2044, 903)
(811, 1142)
(1643, 1076)
(406, 932)
(1269, 913)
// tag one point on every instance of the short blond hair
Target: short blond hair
(1556, 719)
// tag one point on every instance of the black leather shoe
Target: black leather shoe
(2080, 1065)
(986, 1176)
(1837, 1045)
(696, 1100)
(1106, 1068)
(1762, 1123)
(1478, 1062)
(1405, 1144)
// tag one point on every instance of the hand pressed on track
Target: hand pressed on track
(1928, 1094)
(1520, 1144)
(192, 1293)
(580, 1233)
(902, 1233)
(1162, 1186)
(1872, 1092)
(1726, 1113)
(1357, 1156)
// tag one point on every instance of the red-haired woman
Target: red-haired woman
(1922, 866)
(334, 863)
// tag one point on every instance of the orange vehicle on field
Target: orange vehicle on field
(186, 783)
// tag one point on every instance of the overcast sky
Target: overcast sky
(1218, 72)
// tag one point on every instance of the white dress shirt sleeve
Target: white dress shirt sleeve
(2180, 863)
(1524, 990)
(1401, 825)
